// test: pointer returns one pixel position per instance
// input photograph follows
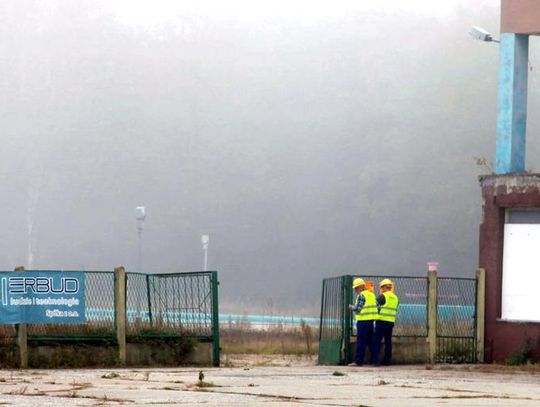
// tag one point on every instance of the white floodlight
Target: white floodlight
(205, 239)
(140, 213)
(478, 33)
(140, 216)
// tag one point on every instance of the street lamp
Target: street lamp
(478, 33)
(205, 239)
(140, 216)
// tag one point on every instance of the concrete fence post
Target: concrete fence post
(22, 338)
(432, 315)
(120, 283)
(480, 313)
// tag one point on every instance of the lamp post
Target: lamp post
(140, 216)
(205, 239)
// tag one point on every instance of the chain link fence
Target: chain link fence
(99, 300)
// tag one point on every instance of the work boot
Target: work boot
(353, 364)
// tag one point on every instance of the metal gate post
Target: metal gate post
(120, 298)
(149, 300)
(22, 338)
(480, 313)
(322, 312)
(346, 299)
(215, 319)
(432, 316)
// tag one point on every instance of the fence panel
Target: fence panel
(156, 304)
(8, 333)
(99, 298)
(331, 334)
(138, 307)
(456, 320)
(170, 303)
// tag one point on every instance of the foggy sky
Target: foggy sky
(307, 140)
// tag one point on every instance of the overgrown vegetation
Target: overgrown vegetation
(55, 354)
(456, 350)
(78, 351)
(203, 384)
(164, 350)
(523, 354)
(240, 338)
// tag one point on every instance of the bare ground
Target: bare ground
(275, 381)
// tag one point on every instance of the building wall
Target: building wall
(520, 16)
(499, 192)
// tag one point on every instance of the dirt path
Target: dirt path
(274, 381)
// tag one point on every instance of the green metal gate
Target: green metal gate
(337, 326)
(456, 323)
(332, 327)
(456, 320)
(171, 304)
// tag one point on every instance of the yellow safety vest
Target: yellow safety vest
(388, 311)
(369, 310)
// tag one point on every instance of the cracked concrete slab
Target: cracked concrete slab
(294, 382)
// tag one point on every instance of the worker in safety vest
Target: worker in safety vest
(365, 313)
(388, 304)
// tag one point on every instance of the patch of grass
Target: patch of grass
(275, 340)
(110, 375)
(455, 350)
(19, 392)
(336, 373)
(203, 384)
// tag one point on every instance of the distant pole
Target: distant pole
(205, 239)
(140, 216)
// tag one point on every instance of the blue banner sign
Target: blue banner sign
(42, 297)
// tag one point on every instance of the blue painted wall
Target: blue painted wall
(512, 104)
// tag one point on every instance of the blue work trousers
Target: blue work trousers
(383, 329)
(364, 338)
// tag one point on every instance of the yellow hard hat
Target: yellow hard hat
(358, 282)
(386, 281)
